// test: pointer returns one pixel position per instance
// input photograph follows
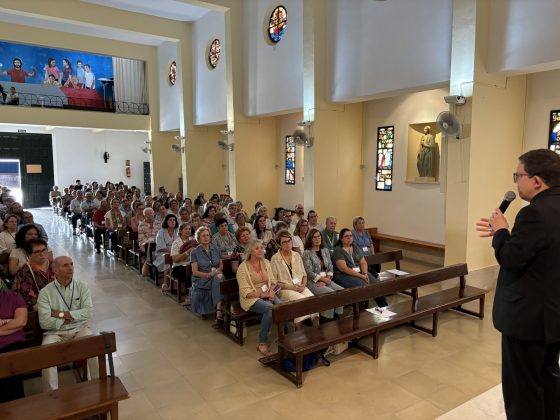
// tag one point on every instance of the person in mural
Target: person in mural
(73, 83)
(51, 81)
(17, 73)
(66, 71)
(80, 73)
(51, 68)
(89, 77)
(426, 151)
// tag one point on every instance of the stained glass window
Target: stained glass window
(384, 165)
(290, 176)
(215, 53)
(172, 73)
(277, 24)
(554, 132)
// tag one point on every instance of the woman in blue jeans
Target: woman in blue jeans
(350, 266)
(257, 292)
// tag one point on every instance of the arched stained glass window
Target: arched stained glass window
(290, 176)
(215, 53)
(384, 166)
(277, 24)
(172, 73)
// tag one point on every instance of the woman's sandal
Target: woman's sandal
(165, 288)
(263, 349)
(219, 321)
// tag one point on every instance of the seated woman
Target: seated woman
(241, 221)
(164, 239)
(350, 269)
(273, 245)
(181, 254)
(300, 235)
(13, 318)
(147, 232)
(319, 269)
(35, 274)
(161, 213)
(257, 290)
(184, 215)
(243, 237)
(174, 208)
(362, 239)
(289, 272)
(208, 218)
(196, 222)
(224, 239)
(18, 256)
(263, 211)
(8, 235)
(278, 215)
(137, 216)
(260, 231)
(206, 264)
(115, 224)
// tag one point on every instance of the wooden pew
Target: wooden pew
(377, 237)
(311, 339)
(94, 397)
(233, 312)
(385, 257)
(175, 283)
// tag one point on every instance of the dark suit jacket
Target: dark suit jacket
(527, 301)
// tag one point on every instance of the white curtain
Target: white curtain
(130, 81)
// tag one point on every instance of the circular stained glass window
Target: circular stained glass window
(173, 73)
(215, 53)
(277, 24)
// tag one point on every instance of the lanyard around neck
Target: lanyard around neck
(62, 297)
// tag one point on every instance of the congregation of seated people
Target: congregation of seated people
(285, 258)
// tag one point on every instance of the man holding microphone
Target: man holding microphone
(527, 302)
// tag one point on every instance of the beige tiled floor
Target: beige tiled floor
(176, 367)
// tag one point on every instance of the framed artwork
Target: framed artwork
(384, 163)
(290, 172)
(554, 131)
(214, 53)
(277, 24)
(423, 154)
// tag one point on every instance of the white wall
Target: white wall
(169, 96)
(524, 35)
(391, 46)
(414, 211)
(289, 195)
(78, 154)
(274, 73)
(543, 96)
(210, 84)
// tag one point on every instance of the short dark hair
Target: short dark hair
(20, 235)
(169, 216)
(543, 163)
(34, 242)
(221, 221)
(340, 235)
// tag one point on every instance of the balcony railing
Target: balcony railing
(81, 103)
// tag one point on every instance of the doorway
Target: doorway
(10, 177)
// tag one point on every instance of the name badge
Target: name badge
(365, 249)
(356, 269)
(323, 274)
(296, 280)
(264, 288)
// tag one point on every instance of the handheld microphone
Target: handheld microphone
(508, 198)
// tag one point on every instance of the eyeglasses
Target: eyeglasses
(287, 241)
(347, 236)
(41, 251)
(517, 175)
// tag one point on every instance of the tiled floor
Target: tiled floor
(175, 366)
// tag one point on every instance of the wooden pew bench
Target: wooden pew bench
(361, 324)
(233, 313)
(97, 396)
(385, 257)
(377, 237)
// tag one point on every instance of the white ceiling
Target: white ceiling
(168, 9)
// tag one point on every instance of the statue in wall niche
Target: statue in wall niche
(425, 161)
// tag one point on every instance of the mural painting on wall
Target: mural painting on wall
(37, 76)
(424, 145)
(554, 131)
(384, 162)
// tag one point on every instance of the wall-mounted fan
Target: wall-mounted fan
(177, 148)
(302, 139)
(449, 124)
(146, 150)
(228, 147)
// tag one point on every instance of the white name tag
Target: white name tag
(365, 249)
(264, 288)
(296, 280)
(323, 274)
(356, 269)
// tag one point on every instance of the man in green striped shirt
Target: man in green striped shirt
(65, 308)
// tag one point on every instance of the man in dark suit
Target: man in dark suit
(527, 303)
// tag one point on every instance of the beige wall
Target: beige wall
(166, 164)
(289, 195)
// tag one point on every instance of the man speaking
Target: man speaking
(527, 302)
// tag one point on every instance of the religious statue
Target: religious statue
(426, 154)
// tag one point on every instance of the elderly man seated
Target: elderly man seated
(76, 209)
(65, 307)
(330, 235)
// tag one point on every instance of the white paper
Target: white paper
(397, 272)
(264, 288)
(296, 280)
(356, 269)
(385, 276)
(382, 312)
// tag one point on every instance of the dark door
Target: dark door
(34, 152)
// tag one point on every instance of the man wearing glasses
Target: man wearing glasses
(527, 303)
(65, 308)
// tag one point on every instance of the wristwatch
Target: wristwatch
(61, 314)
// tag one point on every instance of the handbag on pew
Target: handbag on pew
(309, 361)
